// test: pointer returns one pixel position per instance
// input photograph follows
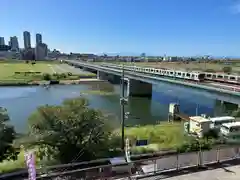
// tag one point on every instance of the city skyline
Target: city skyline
(34, 39)
(182, 28)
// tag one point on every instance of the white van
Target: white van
(218, 121)
(230, 129)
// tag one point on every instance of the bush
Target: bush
(210, 70)
(195, 145)
(60, 76)
(47, 77)
(63, 75)
(227, 69)
(213, 133)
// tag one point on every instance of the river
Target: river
(22, 101)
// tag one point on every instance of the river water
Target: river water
(22, 101)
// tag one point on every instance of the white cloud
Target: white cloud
(235, 8)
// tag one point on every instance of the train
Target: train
(185, 75)
(221, 77)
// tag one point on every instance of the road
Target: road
(64, 68)
(191, 159)
(225, 173)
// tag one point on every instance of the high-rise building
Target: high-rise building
(38, 39)
(41, 51)
(14, 43)
(27, 39)
(2, 42)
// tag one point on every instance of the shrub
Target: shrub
(210, 70)
(47, 77)
(227, 69)
(195, 145)
(63, 75)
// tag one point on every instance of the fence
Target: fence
(139, 168)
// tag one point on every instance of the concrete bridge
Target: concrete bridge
(140, 84)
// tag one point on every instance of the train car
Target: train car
(191, 76)
(221, 77)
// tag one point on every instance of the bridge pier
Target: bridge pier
(101, 75)
(139, 89)
(108, 77)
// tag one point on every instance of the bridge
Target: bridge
(140, 84)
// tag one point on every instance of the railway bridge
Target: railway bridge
(140, 84)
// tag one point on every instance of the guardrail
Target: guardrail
(137, 168)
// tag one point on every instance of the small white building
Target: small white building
(199, 125)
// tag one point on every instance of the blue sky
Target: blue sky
(156, 27)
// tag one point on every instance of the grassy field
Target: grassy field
(197, 66)
(21, 72)
(7, 70)
(160, 137)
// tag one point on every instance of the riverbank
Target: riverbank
(42, 82)
(24, 73)
(160, 137)
(164, 136)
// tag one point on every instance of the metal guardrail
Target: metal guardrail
(154, 78)
(142, 167)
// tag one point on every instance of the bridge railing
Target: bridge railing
(164, 163)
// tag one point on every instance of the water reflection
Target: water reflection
(105, 87)
(22, 101)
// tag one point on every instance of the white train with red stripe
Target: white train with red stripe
(221, 77)
(186, 75)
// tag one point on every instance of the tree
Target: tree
(7, 136)
(227, 69)
(72, 131)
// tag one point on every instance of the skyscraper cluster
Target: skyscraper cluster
(38, 53)
(13, 43)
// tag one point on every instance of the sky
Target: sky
(128, 27)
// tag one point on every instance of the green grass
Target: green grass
(8, 71)
(10, 166)
(164, 136)
(160, 137)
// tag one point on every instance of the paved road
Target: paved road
(191, 159)
(228, 173)
(63, 68)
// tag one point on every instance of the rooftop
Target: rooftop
(232, 124)
(199, 119)
(223, 118)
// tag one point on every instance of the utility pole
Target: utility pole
(123, 102)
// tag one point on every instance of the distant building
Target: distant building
(4, 48)
(2, 42)
(41, 51)
(14, 43)
(38, 38)
(27, 39)
(28, 54)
